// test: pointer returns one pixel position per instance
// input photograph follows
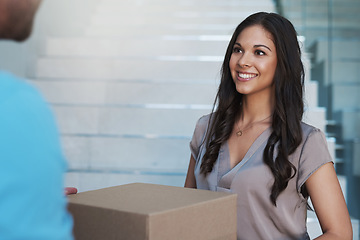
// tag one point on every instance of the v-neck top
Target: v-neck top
(251, 179)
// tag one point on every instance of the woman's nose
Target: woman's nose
(244, 61)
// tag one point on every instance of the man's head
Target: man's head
(16, 18)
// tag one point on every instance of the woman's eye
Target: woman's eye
(237, 50)
(259, 52)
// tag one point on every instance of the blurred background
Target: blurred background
(128, 79)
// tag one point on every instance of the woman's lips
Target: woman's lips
(246, 76)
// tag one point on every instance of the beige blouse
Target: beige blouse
(251, 180)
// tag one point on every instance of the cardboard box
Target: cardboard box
(154, 212)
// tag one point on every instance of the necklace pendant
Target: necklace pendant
(239, 133)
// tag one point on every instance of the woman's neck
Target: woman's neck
(255, 108)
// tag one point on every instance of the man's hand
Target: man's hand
(70, 190)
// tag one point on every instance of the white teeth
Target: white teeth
(246, 75)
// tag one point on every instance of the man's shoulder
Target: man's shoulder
(16, 88)
(9, 79)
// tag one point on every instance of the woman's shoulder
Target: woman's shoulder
(312, 132)
(308, 129)
(204, 120)
(202, 124)
(201, 128)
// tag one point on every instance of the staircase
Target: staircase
(128, 87)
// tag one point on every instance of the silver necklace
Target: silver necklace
(241, 131)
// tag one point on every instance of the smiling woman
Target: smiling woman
(253, 62)
(255, 144)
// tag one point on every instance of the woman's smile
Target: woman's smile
(244, 76)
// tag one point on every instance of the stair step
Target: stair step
(311, 94)
(190, 69)
(350, 127)
(119, 20)
(199, 3)
(164, 29)
(146, 46)
(316, 116)
(104, 153)
(341, 49)
(75, 92)
(128, 121)
(92, 180)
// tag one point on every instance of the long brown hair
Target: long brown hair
(289, 107)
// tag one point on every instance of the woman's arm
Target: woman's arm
(329, 203)
(190, 181)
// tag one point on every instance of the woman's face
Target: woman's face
(253, 61)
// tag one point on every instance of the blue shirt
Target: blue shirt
(32, 201)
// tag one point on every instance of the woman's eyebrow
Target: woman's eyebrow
(255, 46)
(261, 45)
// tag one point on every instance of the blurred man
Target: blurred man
(32, 201)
